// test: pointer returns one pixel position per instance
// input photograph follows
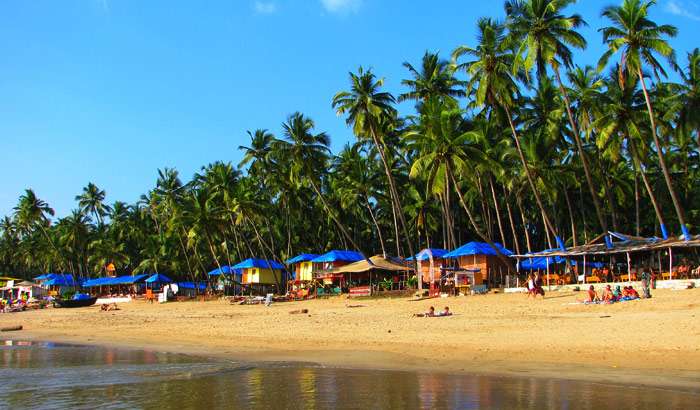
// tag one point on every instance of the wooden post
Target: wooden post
(670, 263)
(549, 285)
(584, 268)
(629, 269)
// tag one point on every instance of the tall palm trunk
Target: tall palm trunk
(582, 154)
(640, 169)
(376, 225)
(531, 181)
(662, 162)
(395, 197)
(571, 216)
(522, 217)
(516, 243)
(472, 221)
(498, 212)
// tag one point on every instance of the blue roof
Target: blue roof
(63, 279)
(540, 262)
(191, 285)
(423, 255)
(304, 257)
(45, 276)
(119, 280)
(258, 263)
(339, 256)
(158, 278)
(216, 272)
(477, 248)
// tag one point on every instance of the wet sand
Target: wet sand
(646, 342)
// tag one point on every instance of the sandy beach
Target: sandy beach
(646, 342)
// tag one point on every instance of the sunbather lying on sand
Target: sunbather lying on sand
(109, 306)
(429, 313)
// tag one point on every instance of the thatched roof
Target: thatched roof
(378, 262)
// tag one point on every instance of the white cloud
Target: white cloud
(265, 7)
(341, 6)
(683, 9)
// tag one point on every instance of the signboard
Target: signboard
(360, 291)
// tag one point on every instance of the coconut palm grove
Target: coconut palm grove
(511, 141)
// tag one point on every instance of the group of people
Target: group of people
(611, 296)
(535, 285)
(431, 313)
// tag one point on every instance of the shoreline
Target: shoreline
(361, 341)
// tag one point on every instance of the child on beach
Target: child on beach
(429, 313)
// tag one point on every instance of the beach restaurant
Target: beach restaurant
(365, 278)
(120, 285)
(58, 283)
(302, 270)
(615, 257)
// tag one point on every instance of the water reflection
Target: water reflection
(59, 376)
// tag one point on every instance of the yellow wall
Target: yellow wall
(305, 271)
(263, 276)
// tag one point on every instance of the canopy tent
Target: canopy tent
(258, 263)
(119, 280)
(225, 270)
(338, 256)
(477, 248)
(304, 257)
(425, 254)
(378, 262)
(61, 279)
(158, 278)
(45, 276)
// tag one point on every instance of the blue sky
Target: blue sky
(108, 91)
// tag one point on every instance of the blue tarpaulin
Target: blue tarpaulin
(191, 285)
(258, 263)
(339, 256)
(61, 279)
(158, 278)
(45, 276)
(540, 262)
(119, 280)
(226, 270)
(477, 248)
(423, 255)
(304, 257)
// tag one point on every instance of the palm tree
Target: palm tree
(445, 148)
(308, 153)
(31, 212)
(689, 102)
(639, 40)
(492, 81)
(367, 109)
(435, 79)
(545, 35)
(91, 201)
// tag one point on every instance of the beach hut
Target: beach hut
(430, 262)
(480, 259)
(121, 285)
(59, 283)
(332, 260)
(261, 275)
(302, 266)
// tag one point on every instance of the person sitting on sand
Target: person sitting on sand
(617, 292)
(429, 313)
(607, 295)
(631, 293)
(445, 312)
(591, 295)
(109, 307)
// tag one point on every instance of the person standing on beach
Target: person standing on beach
(646, 282)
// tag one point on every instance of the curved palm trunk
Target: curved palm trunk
(571, 216)
(376, 225)
(512, 227)
(522, 217)
(396, 200)
(584, 160)
(530, 180)
(638, 166)
(662, 161)
(472, 221)
(498, 212)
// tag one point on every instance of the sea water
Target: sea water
(40, 375)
